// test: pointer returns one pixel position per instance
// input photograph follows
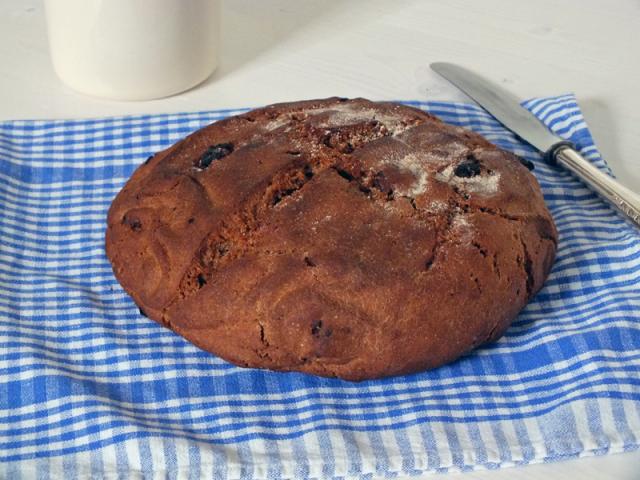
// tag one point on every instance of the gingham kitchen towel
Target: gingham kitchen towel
(89, 388)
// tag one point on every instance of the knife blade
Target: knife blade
(505, 107)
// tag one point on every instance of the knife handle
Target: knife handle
(623, 199)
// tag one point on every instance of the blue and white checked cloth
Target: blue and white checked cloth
(88, 387)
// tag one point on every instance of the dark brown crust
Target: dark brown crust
(335, 237)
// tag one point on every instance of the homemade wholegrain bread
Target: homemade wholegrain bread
(336, 237)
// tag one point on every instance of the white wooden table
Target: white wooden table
(277, 50)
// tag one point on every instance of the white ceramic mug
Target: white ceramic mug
(133, 49)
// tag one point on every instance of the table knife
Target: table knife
(505, 107)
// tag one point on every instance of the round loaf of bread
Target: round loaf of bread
(342, 238)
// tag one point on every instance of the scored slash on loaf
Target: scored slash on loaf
(342, 238)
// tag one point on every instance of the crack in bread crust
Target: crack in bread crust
(214, 253)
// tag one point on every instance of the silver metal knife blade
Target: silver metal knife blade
(500, 103)
(506, 108)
